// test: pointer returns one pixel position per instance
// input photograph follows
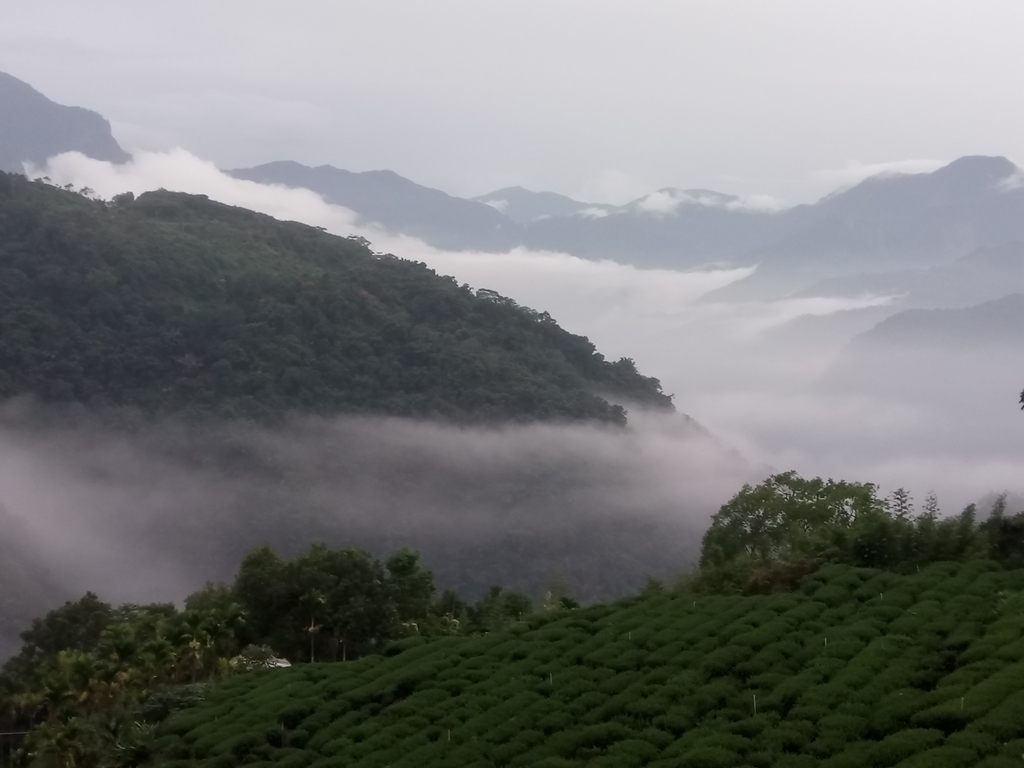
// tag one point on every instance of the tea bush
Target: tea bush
(922, 669)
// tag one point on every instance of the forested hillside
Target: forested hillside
(174, 303)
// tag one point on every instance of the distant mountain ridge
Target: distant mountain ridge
(892, 222)
(33, 128)
(953, 359)
(887, 223)
(524, 207)
(984, 274)
(397, 204)
(995, 323)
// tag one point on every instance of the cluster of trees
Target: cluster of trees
(91, 679)
(858, 668)
(335, 605)
(772, 535)
(87, 672)
(174, 303)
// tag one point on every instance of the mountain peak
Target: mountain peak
(524, 206)
(976, 169)
(33, 128)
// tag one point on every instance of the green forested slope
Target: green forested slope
(859, 667)
(174, 303)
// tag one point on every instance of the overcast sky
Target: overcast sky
(592, 98)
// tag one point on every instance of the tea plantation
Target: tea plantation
(858, 667)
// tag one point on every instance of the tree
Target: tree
(499, 608)
(931, 505)
(409, 587)
(312, 601)
(261, 588)
(75, 625)
(901, 504)
(786, 517)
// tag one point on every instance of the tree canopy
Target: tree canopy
(773, 535)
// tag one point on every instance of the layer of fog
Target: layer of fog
(153, 511)
(749, 372)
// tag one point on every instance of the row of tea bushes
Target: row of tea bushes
(860, 668)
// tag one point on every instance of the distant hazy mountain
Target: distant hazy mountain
(891, 222)
(964, 360)
(982, 275)
(399, 205)
(33, 128)
(992, 323)
(523, 206)
(894, 222)
(670, 228)
(888, 222)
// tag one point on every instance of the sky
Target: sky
(599, 99)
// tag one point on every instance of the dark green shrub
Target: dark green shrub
(709, 757)
(942, 757)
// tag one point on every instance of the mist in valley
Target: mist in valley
(149, 511)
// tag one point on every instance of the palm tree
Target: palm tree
(197, 640)
(311, 601)
(62, 745)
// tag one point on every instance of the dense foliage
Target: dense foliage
(774, 534)
(174, 303)
(859, 667)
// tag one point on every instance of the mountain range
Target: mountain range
(887, 223)
(893, 222)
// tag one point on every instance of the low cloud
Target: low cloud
(175, 504)
(498, 205)
(667, 202)
(180, 171)
(765, 203)
(1013, 181)
(664, 202)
